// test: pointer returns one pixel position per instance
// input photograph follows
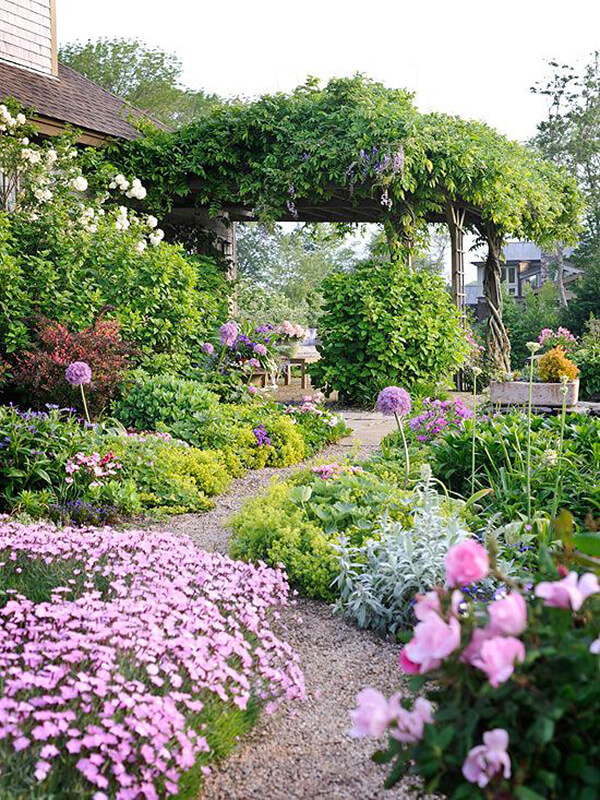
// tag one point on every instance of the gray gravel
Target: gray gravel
(303, 751)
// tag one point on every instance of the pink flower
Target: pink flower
(433, 640)
(487, 760)
(406, 665)
(466, 563)
(570, 592)
(408, 726)
(252, 390)
(426, 604)
(508, 616)
(371, 717)
(497, 657)
(595, 647)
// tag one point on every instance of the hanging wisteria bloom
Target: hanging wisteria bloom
(394, 400)
(228, 333)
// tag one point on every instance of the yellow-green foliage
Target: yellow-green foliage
(170, 475)
(298, 522)
(555, 364)
(272, 529)
(288, 444)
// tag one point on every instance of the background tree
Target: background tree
(429, 256)
(284, 270)
(149, 78)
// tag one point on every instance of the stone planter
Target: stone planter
(549, 395)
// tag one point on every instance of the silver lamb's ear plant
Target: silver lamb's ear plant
(377, 582)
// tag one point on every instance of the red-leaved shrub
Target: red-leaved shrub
(40, 372)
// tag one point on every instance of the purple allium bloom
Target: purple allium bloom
(394, 400)
(254, 362)
(260, 349)
(229, 333)
(252, 390)
(262, 438)
(208, 348)
(78, 373)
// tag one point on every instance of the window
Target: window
(512, 275)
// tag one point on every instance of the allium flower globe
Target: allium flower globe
(394, 400)
(78, 373)
(208, 348)
(228, 333)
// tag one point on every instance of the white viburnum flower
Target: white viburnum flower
(21, 118)
(156, 237)
(24, 140)
(140, 246)
(51, 156)
(80, 183)
(151, 221)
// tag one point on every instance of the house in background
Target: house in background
(31, 73)
(525, 264)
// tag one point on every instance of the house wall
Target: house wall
(28, 34)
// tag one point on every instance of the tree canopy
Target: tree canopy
(149, 78)
(356, 137)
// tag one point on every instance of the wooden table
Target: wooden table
(299, 361)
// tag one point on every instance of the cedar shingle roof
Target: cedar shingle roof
(71, 98)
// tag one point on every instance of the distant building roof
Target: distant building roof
(73, 99)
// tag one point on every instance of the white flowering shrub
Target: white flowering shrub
(72, 249)
(378, 581)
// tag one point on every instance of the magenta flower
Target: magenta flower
(228, 333)
(486, 760)
(78, 373)
(466, 563)
(394, 400)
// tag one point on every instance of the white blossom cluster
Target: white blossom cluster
(41, 174)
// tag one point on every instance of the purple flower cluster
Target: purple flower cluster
(78, 373)
(228, 333)
(394, 400)
(139, 630)
(208, 348)
(438, 416)
(262, 437)
(562, 337)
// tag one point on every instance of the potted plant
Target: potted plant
(557, 383)
(290, 336)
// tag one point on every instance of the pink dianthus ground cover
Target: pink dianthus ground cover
(111, 644)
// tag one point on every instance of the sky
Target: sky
(474, 58)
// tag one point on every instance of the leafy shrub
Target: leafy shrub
(296, 523)
(524, 320)
(40, 372)
(377, 580)
(587, 358)
(76, 734)
(383, 325)
(317, 426)
(500, 458)
(554, 365)
(162, 400)
(509, 708)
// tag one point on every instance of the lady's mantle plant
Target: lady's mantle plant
(510, 708)
(116, 648)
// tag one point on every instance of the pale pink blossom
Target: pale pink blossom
(570, 592)
(433, 640)
(497, 657)
(487, 760)
(408, 726)
(508, 615)
(466, 563)
(371, 716)
(595, 647)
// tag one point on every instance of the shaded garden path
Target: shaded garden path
(303, 751)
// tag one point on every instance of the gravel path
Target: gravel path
(303, 751)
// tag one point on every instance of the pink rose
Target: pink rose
(508, 616)
(570, 592)
(466, 563)
(371, 717)
(433, 640)
(488, 759)
(408, 726)
(497, 658)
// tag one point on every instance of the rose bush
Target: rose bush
(512, 689)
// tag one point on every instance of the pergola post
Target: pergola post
(456, 225)
(498, 341)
